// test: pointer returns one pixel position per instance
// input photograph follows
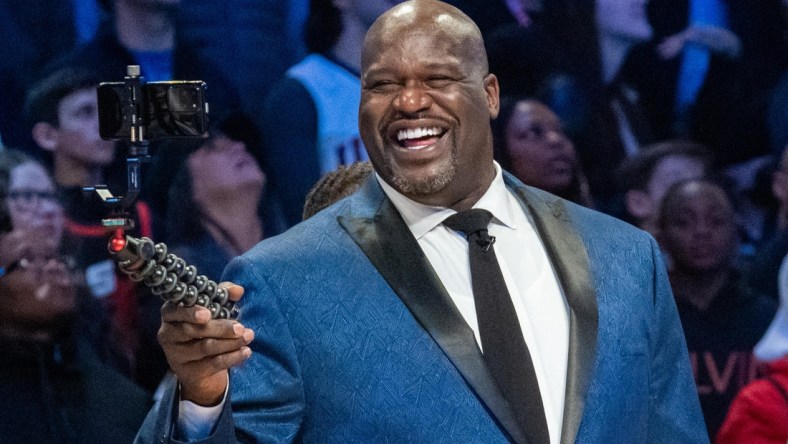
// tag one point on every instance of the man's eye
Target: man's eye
(438, 82)
(383, 86)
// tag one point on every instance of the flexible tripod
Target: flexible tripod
(166, 274)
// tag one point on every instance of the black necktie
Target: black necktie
(505, 351)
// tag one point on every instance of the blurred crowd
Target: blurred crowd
(669, 114)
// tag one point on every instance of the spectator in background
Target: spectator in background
(530, 142)
(52, 381)
(30, 197)
(759, 413)
(765, 265)
(494, 14)
(32, 204)
(217, 207)
(593, 39)
(708, 72)
(258, 41)
(310, 118)
(335, 186)
(32, 33)
(143, 32)
(63, 111)
(645, 178)
(722, 318)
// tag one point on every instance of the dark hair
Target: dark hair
(673, 193)
(323, 26)
(636, 172)
(505, 111)
(44, 97)
(337, 184)
(9, 159)
(183, 217)
(575, 192)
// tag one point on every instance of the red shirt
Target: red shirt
(759, 413)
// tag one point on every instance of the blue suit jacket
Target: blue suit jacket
(356, 339)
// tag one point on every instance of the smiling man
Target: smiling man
(373, 321)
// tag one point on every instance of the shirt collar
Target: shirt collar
(422, 218)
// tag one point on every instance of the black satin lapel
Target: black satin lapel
(392, 249)
(570, 260)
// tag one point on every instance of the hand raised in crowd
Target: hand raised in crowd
(200, 350)
(19, 246)
(714, 38)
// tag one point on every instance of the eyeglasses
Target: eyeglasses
(27, 199)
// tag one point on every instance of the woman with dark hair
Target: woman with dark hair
(529, 142)
(216, 209)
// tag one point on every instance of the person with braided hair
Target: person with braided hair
(336, 185)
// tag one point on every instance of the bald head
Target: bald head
(426, 103)
(429, 18)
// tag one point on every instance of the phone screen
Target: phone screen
(169, 110)
(175, 109)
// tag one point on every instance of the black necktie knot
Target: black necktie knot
(473, 223)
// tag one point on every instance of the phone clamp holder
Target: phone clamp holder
(166, 274)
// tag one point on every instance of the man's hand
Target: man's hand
(200, 350)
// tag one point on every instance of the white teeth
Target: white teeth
(417, 133)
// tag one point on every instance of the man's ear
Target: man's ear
(493, 95)
(638, 204)
(45, 136)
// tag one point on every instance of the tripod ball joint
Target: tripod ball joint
(169, 276)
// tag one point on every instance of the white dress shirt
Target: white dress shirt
(540, 305)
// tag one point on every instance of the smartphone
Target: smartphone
(172, 109)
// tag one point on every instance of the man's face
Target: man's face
(699, 231)
(426, 105)
(623, 19)
(78, 131)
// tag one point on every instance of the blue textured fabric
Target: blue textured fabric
(339, 358)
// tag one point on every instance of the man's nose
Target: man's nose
(412, 99)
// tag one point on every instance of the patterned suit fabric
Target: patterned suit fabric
(356, 340)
